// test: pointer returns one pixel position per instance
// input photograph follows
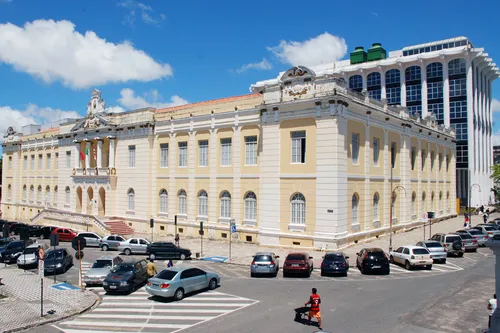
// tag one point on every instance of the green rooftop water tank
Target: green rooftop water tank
(376, 52)
(358, 55)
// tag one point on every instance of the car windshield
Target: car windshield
(420, 251)
(334, 256)
(263, 258)
(102, 264)
(123, 268)
(432, 244)
(30, 250)
(54, 255)
(167, 274)
(489, 228)
(475, 232)
(376, 254)
(465, 236)
(4, 242)
(296, 257)
(453, 239)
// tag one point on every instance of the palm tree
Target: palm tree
(495, 173)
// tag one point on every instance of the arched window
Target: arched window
(131, 199)
(447, 202)
(393, 90)
(376, 199)
(203, 203)
(413, 204)
(163, 201)
(412, 73)
(373, 81)
(298, 204)
(225, 204)
(456, 66)
(56, 188)
(392, 76)
(356, 82)
(440, 200)
(9, 192)
(32, 193)
(182, 202)
(432, 201)
(67, 193)
(354, 208)
(250, 206)
(47, 194)
(423, 202)
(435, 70)
(39, 194)
(25, 193)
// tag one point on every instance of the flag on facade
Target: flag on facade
(82, 155)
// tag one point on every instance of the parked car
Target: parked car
(411, 256)
(477, 234)
(487, 229)
(265, 263)
(438, 252)
(47, 231)
(126, 276)
(469, 242)
(452, 242)
(57, 261)
(494, 225)
(15, 228)
(13, 250)
(298, 263)
(178, 281)
(110, 242)
(100, 269)
(134, 245)
(372, 260)
(35, 230)
(91, 238)
(5, 241)
(167, 250)
(65, 234)
(335, 263)
(29, 257)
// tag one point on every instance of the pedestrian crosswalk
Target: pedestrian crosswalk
(139, 312)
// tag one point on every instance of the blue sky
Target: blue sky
(160, 53)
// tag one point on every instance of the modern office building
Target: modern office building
(303, 161)
(496, 154)
(449, 79)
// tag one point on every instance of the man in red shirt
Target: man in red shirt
(315, 301)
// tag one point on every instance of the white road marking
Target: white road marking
(122, 323)
(149, 316)
(148, 310)
(67, 330)
(173, 304)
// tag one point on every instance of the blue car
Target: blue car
(335, 263)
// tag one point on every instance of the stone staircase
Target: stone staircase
(117, 226)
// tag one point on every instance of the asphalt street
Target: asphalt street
(450, 298)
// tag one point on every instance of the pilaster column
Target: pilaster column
(99, 153)
(387, 174)
(112, 143)
(368, 195)
(471, 114)
(423, 73)
(402, 84)
(76, 157)
(382, 84)
(446, 95)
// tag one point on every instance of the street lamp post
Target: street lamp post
(470, 195)
(390, 209)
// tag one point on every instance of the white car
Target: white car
(411, 256)
(92, 238)
(134, 245)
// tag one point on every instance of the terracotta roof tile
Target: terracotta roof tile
(53, 129)
(213, 101)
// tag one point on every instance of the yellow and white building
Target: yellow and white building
(301, 161)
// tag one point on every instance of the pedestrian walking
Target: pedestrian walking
(170, 264)
(151, 268)
(466, 220)
(492, 306)
(177, 238)
(314, 301)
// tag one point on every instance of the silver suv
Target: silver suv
(111, 242)
(100, 269)
(453, 243)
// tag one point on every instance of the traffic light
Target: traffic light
(175, 220)
(151, 223)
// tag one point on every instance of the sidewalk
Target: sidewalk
(241, 253)
(21, 307)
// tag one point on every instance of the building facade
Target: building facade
(496, 154)
(304, 161)
(450, 79)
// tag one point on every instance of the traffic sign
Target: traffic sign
(41, 253)
(41, 268)
(74, 243)
(233, 228)
(79, 255)
(424, 215)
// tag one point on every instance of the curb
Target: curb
(53, 320)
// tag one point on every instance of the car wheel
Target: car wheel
(127, 252)
(212, 284)
(443, 261)
(345, 274)
(322, 273)
(105, 247)
(276, 273)
(461, 254)
(392, 260)
(252, 274)
(308, 274)
(179, 294)
(361, 270)
(152, 256)
(183, 256)
(407, 265)
(387, 271)
(429, 267)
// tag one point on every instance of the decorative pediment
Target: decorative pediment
(92, 121)
(297, 72)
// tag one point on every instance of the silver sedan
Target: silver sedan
(175, 282)
(437, 250)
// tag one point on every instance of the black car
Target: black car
(372, 260)
(35, 230)
(126, 276)
(46, 231)
(13, 250)
(167, 250)
(15, 228)
(57, 261)
(3, 244)
(335, 263)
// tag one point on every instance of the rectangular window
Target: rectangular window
(414, 93)
(434, 90)
(437, 109)
(203, 153)
(40, 162)
(458, 109)
(422, 157)
(68, 160)
(413, 157)
(375, 94)
(131, 156)
(57, 161)
(458, 87)
(460, 131)
(183, 148)
(49, 161)
(25, 163)
(251, 150)
(393, 95)
(32, 162)
(355, 148)
(226, 157)
(298, 147)
(393, 154)
(376, 148)
(462, 154)
(163, 155)
(414, 109)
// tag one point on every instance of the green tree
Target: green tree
(495, 173)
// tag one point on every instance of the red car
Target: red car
(65, 234)
(298, 263)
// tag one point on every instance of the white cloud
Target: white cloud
(54, 51)
(31, 115)
(131, 101)
(323, 48)
(138, 9)
(115, 109)
(495, 105)
(262, 65)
